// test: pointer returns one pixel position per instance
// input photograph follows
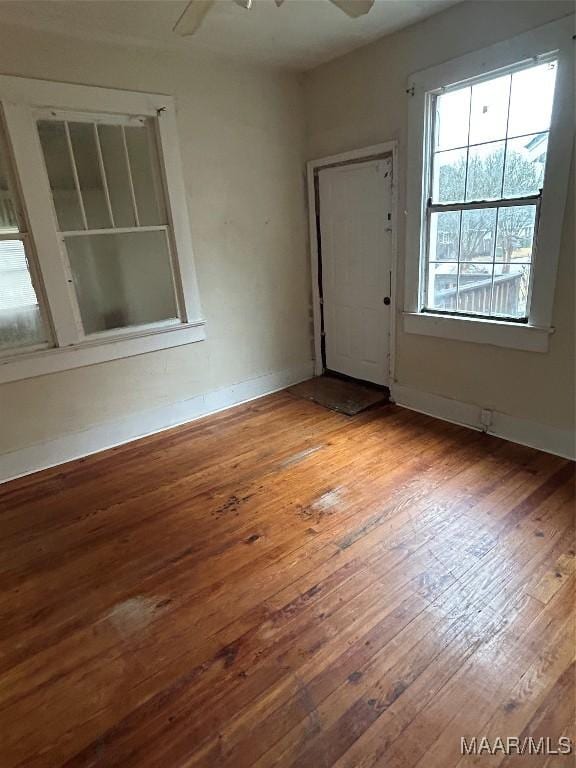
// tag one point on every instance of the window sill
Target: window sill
(27, 366)
(497, 333)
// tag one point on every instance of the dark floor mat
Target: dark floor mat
(342, 395)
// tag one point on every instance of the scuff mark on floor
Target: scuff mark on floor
(134, 615)
(324, 505)
(232, 505)
(327, 501)
(300, 456)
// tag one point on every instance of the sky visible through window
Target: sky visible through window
(489, 144)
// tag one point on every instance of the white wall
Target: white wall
(242, 140)
(242, 132)
(359, 100)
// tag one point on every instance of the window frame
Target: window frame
(553, 40)
(23, 102)
(24, 236)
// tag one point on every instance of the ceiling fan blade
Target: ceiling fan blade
(192, 17)
(354, 8)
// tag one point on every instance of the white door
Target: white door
(356, 253)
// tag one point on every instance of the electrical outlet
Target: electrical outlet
(486, 417)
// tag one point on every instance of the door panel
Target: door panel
(355, 232)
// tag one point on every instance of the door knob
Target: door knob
(387, 300)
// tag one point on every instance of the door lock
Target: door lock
(387, 300)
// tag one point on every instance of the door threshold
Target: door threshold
(354, 380)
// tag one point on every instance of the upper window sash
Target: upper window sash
(553, 40)
(97, 128)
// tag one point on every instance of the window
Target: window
(22, 325)
(489, 151)
(95, 253)
(486, 159)
(109, 204)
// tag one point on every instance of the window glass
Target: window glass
(85, 149)
(114, 159)
(445, 236)
(443, 286)
(485, 169)
(60, 174)
(530, 87)
(489, 110)
(489, 149)
(478, 234)
(449, 181)
(452, 119)
(510, 292)
(21, 321)
(515, 233)
(475, 288)
(144, 165)
(525, 162)
(122, 280)
(103, 176)
(8, 215)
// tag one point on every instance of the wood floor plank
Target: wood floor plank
(554, 719)
(283, 585)
(479, 688)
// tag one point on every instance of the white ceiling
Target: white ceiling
(299, 35)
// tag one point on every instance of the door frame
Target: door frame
(388, 148)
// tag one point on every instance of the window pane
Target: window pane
(475, 288)
(499, 155)
(21, 323)
(478, 234)
(122, 280)
(515, 233)
(444, 236)
(449, 176)
(485, 168)
(8, 217)
(489, 110)
(442, 286)
(525, 165)
(8, 223)
(145, 167)
(511, 283)
(59, 166)
(452, 118)
(116, 170)
(89, 175)
(531, 99)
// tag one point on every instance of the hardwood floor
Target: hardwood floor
(281, 585)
